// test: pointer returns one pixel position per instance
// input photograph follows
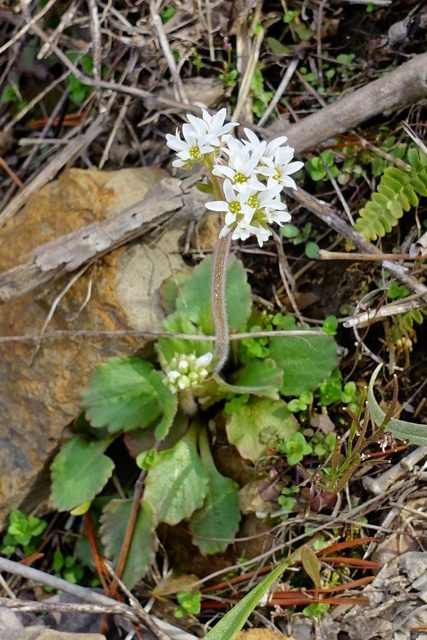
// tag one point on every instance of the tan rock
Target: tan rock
(49, 634)
(39, 392)
(261, 634)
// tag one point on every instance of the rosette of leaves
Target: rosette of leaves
(127, 400)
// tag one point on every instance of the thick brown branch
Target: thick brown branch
(69, 252)
(400, 88)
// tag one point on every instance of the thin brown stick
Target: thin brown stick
(130, 528)
(89, 333)
(323, 254)
(329, 216)
(10, 173)
(27, 26)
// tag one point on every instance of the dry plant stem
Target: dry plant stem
(420, 144)
(75, 147)
(134, 603)
(32, 103)
(290, 70)
(65, 22)
(93, 597)
(324, 254)
(249, 73)
(89, 333)
(95, 30)
(400, 88)
(330, 217)
(28, 25)
(286, 275)
(375, 315)
(65, 607)
(380, 484)
(164, 43)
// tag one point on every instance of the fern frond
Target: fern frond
(397, 192)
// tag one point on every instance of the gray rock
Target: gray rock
(10, 622)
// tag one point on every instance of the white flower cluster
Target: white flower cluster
(254, 173)
(187, 371)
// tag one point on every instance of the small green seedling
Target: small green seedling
(189, 603)
(23, 531)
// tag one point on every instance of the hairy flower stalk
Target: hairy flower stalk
(219, 302)
(252, 175)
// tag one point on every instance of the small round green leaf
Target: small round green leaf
(311, 250)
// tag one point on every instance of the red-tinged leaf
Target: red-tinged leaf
(301, 601)
(353, 562)
(339, 546)
(30, 559)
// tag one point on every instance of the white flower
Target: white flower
(279, 169)
(203, 361)
(242, 231)
(270, 148)
(191, 149)
(212, 126)
(201, 137)
(241, 167)
(279, 217)
(186, 371)
(253, 172)
(270, 198)
(235, 203)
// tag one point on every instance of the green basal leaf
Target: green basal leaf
(278, 48)
(220, 515)
(120, 395)
(114, 521)
(170, 291)
(400, 429)
(229, 626)
(197, 295)
(167, 348)
(306, 361)
(176, 483)
(79, 473)
(258, 422)
(262, 377)
(168, 402)
(140, 440)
